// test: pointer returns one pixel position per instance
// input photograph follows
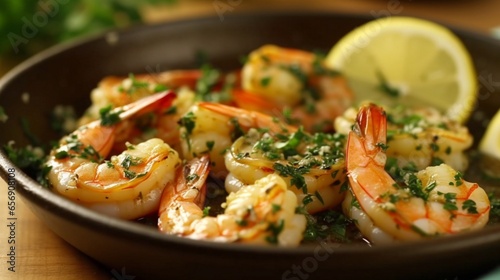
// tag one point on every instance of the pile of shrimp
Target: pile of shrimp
(285, 136)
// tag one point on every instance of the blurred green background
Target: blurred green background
(29, 26)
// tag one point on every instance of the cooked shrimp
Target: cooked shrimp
(434, 201)
(128, 185)
(262, 213)
(420, 137)
(295, 85)
(211, 128)
(312, 165)
(120, 91)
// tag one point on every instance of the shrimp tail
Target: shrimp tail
(194, 177)
(248, 118)
(371, 124)
(102, 137)
(367, 140)
(155, 102)
(185, 196)
(251, 101)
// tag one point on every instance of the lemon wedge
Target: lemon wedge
(490, 143)
(410, 61)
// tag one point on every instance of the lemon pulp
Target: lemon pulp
(410, 61)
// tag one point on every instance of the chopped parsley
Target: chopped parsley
(414, 185)
(108, 117)
(192, 178)
(434, 147)
(296, 173)
(307, 199)
(275, 230)
(382, 146)
(265, 81)
(309, 92)
(129, 161)
(294, 154)
(129, 174)
(61, 154)
(159, 88)
(72, 147)
(188, 121)
(206, 211)
(26, 158)
(404, 123)
(134, 86)
(399, 173)
(470, 206)
(450, 202)
(458, 179)
(171, 110)
(435, 161)
(276, 208)
(206, 83)
(327, 224)
(210, 145)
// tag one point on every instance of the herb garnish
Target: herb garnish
(275, 229)
(265, 81)
(188, 121)
(414, 185)
(108, 117)
(206, 211)
(210, 145)
(135, 85)
(470, 206)
(296, 173)
(450, 201)
(327, 224)
(129, 161)
(27, 158)
(205, 84)
(458, 179)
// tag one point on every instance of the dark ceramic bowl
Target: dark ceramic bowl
(67, 74)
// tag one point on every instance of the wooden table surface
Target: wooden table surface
(40, 254)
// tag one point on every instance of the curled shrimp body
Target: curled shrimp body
(434, 201)
(262, 213)
(312, 165)
(420, 137)
(116, 91)
(293, 84)
(127, 185)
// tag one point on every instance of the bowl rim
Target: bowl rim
(37, 194)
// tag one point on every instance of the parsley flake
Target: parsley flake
(108, 117)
